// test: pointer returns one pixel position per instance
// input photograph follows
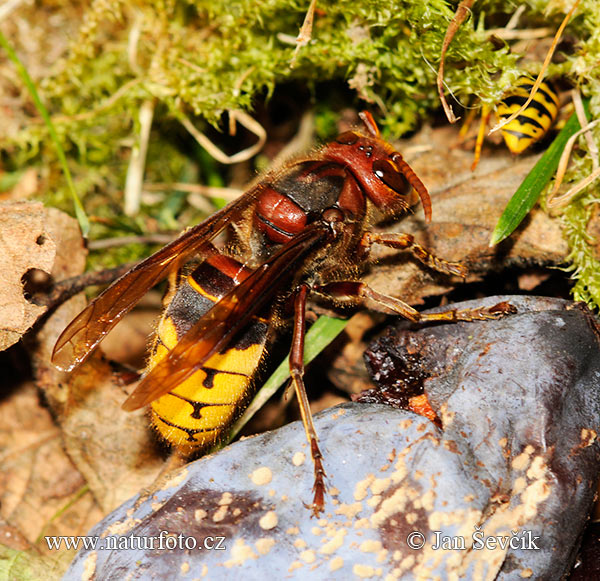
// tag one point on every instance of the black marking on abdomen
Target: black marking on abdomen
(191, 432)
(212, 280)
(518, 100)
(549, 91)
(254, 333)
(524, 120)
(209, 381)
(187, 307)
(198, 406)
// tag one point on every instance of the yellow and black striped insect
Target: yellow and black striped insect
(530, 126)
(298, 230)
(534, 121)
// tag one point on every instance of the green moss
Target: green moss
(202, 59)
(583, 254)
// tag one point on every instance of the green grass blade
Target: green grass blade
(82, 218)
(321, 334)
(529, 191)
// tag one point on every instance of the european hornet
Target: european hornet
(299, 230)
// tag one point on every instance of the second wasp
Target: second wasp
(530, 126)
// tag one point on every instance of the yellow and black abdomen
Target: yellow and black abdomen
(195, 415)
(535, 121)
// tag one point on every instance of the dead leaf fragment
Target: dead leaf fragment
(40, 488)
(114, 450)
(24, 245)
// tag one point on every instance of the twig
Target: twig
(555, 201)
(125, 240)
(305, 32)
(137, 163)
(206, 191)
(461, 13)
(589, 138)
(133, 41)
(243, 118)
(527, 34)
(514, 19)
(563, 200)
(65, 289)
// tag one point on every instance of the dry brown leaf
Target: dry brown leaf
(38, 480)
(530, 280)
(347, 370)
(70, 261)
(24, 245)
(113, 450)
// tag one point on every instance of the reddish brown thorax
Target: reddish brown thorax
(337, 177)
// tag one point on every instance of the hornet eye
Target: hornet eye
(391, 176)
